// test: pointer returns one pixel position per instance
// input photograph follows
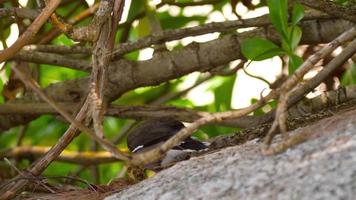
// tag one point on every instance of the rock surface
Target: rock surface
(324, 167)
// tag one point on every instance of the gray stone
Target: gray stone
(324, 167)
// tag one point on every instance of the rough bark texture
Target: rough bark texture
(321, 168)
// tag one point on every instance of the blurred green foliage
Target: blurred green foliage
(349, 77)
(46, 130)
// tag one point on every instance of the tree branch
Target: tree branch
(332, 8)
(27, 36)
(19, 12)
(52, 59)
(169, 35)
(81, 158)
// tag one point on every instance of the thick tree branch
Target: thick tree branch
(332, 8)
(126, 75)
(52, 59)
(57, 49)
(19, 12)
(164, 36)
(169, 35)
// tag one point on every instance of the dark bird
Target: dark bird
(151, 133)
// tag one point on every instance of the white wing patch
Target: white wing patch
(137, 148)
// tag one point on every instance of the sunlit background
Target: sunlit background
(245, 87)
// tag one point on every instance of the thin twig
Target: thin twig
(56, 31)
(27, 36)
(37, 168)
(287, 87)
(257, 77)
(30, 83)
(169, 35)
(29, 175)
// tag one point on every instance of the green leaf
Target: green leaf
(278, 14)
(259, 49)
(135, 8)
(63, 40)
(342, 2)
(297, 13)
(296, 35)
(181, 103)
(294, 62)
(223, 94)
(143, 27)
(5, 31)
(349, 77)
(286, 46)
